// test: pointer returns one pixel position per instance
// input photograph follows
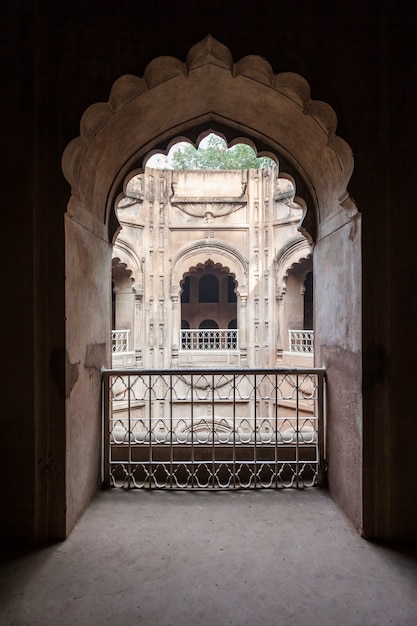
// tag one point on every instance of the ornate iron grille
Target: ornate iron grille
(213, 428)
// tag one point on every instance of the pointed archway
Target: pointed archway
(277, 115)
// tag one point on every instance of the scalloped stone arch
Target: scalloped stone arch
(121, 276)
(123, 250)
(209, 263)
(292, 253)
(209, 91)
(199, 252)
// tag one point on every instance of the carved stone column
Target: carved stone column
(243, 328)
(176, 323)
(280, 291)
(138, 330)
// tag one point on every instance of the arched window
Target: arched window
(208, 288)
(208, 324)
(207, 339)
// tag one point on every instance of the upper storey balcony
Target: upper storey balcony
(209, 339)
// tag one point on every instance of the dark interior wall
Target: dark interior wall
(58, 58)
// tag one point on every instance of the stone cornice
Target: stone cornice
(216, 207)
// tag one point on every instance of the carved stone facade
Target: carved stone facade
(209, 250)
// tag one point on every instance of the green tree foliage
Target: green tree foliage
(216, 156)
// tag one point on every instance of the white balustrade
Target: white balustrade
(209, 339)
(119, 341)
(301, 341)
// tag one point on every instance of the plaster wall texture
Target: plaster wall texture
(88, 328)
(338, 332)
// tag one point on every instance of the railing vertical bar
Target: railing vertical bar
(321, 431)
(171, 434)
(234, 431)
(213, 453)
(255, 456)
(106, 429)
(150, 429)
(129, 434)
(297, 418)
(276, 430)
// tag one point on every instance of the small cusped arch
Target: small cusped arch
(291, 254)
(124, 254)
(122, 279)
(218, 253)
(196, 144)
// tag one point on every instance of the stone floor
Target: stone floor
(192, 559)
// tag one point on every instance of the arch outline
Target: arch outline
(210, 91)
(216, 250)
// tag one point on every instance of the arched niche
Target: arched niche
(294, 251)
(208, 299)
(295, 254)
(199, 252)
(275, 112)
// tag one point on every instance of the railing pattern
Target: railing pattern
(301, 341)
(213, 428)
(119, 341)
(209, 339)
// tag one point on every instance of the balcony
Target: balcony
(119, 341)
(301, 341)
(216, 429)
(121, 356)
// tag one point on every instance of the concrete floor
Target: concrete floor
(192, 559)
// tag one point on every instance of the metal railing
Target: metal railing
(119, 341)
(209, 339)
(301, 341)
(213, 428)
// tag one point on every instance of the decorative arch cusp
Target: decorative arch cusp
(124, 250)
(294, 251)
(209, 264)
(219, 253)
(209, 91)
